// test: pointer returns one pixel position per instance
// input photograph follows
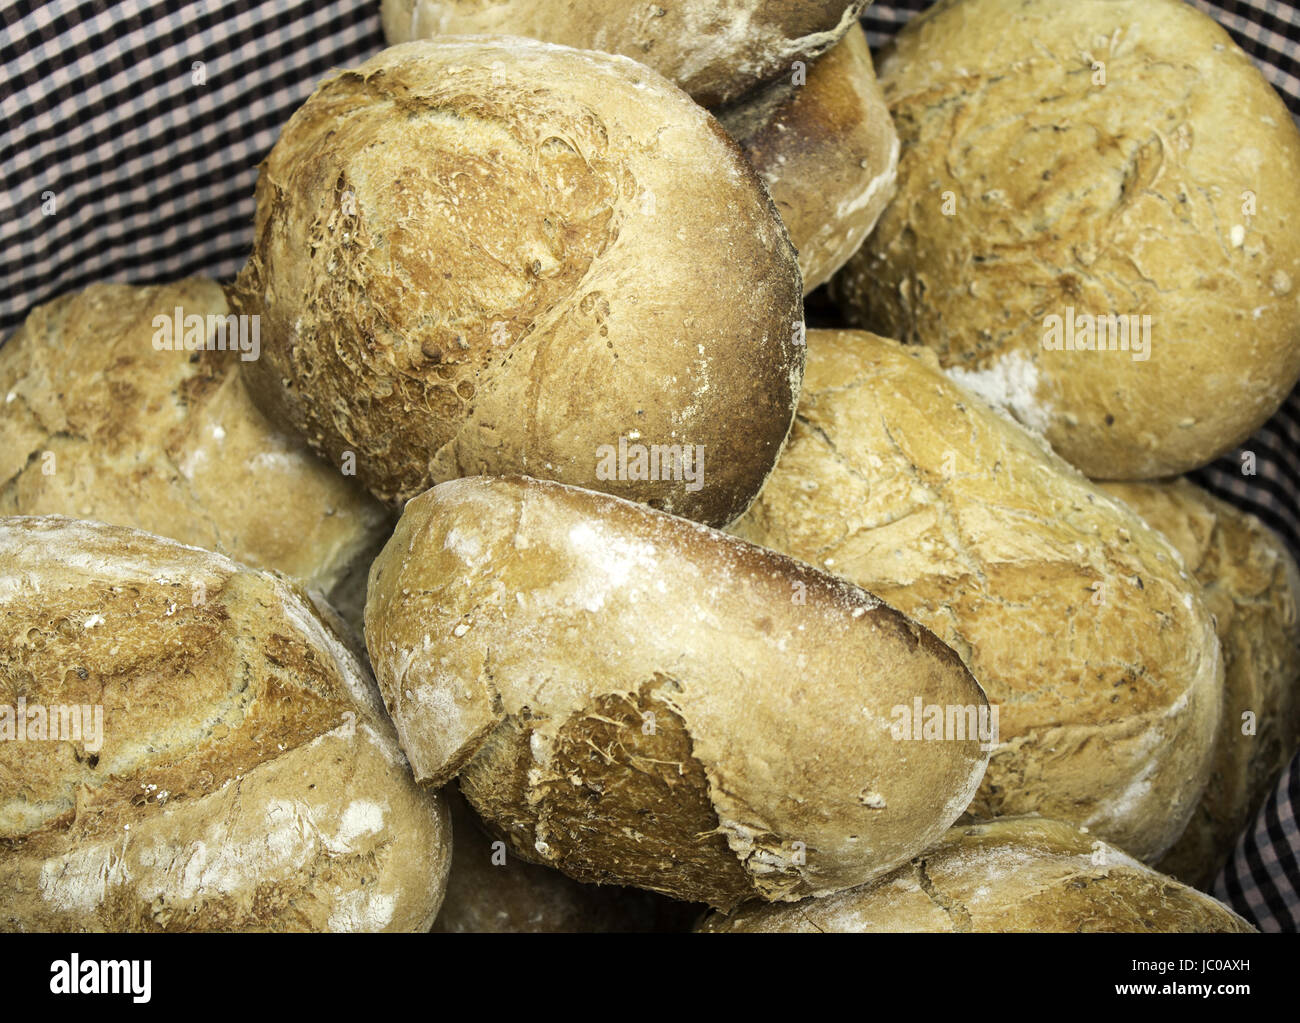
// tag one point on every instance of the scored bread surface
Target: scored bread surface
(246, 776)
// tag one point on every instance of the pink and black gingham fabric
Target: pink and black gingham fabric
(130, 134)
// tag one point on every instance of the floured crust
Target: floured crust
(1025, 875)
(166, 441)
(1078, 620)
(482, 255)
(636, 699)
(826, 150)
(1028, 189)
(248, 778)
(716, 50)
(1252, 588)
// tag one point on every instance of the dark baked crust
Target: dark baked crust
(827, 151)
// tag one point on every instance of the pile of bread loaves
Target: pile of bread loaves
(662, 592)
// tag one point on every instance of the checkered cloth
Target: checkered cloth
(132, 134)
(1262, 880)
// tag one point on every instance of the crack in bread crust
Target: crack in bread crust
(605, 792)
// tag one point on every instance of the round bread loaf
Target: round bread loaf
(483, 255)
(187, 747)
(1021, 874)
(716, 50)
(827, 151)
(490, 892)
(1092, 643)
(1094, 224)
(1252, 588)
(109, 411)
(637, 699)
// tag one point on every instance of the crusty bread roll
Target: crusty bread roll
(1076, 618)
(209, 755)
(1099, 158)
(1022, 874)
(637, 699)
(1252, 588)
(490, 892)
(827, 151)
(99, 423)
(716, 50)
(497, 255)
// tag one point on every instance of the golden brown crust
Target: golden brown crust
(716, 50)
(1029, 189)
(461, 270)
(1252, 588)
(581, 660)
(96, 423)
(827, 151)
(1026, 875)
(242, 775)
(1076, 618)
